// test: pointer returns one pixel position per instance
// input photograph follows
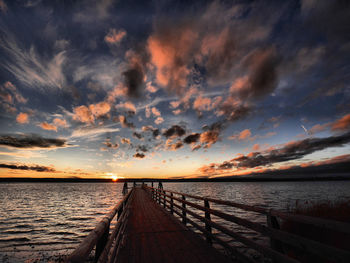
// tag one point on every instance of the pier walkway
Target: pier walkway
(142, 227)
(154, 235)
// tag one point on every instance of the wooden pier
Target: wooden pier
(151, 226)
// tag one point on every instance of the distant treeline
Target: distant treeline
(147, 180)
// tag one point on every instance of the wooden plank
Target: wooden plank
(154, 235)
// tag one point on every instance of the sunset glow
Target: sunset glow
(153, 89)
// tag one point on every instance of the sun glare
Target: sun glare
(112, 176)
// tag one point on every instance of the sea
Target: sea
(44, 222)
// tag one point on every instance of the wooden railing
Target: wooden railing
(177, 203)
(106, 244)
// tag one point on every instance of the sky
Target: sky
(173, 89)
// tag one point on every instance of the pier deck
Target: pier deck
(154, 235)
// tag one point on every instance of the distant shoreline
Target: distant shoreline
(122, 180)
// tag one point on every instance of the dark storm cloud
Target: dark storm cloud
(192, 138)
(137, 135)
(139, 155)
(234, 112)
(142, 148)
(263, 78)
(155, 131)
(36, 168)
(175, 130)
(135, 74)
(133, 78)
(111, 145)
(31, 141)
(290, 151)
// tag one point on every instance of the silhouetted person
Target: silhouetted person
(125, 188)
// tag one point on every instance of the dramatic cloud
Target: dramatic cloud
(156, 112)
(289, 151)
(134, 76)
(83, 114)
(155, 131)
(100, 109)
(129, 106)
(115, 37)
(125, 141)
(159, 120)
(174, 131)
(47, 126)
(243, 135)
(36, 168)
(22, 118)
(139, 155)
(211, 134)
(137, 135)
(29, 66)
(142, 148)
(192, 138)
(262, 79)
(31, 141)
(173, 146)
(342, 124)
(109, 144)
(124, 122)
(60, 123)
(9, 97)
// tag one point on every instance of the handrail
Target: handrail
(98, 236)
(320, 222)
(276, 235)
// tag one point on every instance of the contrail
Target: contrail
(308, 133)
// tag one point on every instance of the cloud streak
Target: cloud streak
(31, 141)
(36, 168)
(289, 151)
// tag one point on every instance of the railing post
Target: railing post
(184, 210)
(171, 204)
(101, 243)
(120, 211)
(273, 223)
(164, 200)
(207, 216)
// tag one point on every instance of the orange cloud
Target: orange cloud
(170, 51)
(159, 120)
(342, 124)
(114, 36)
(127, 105)
(60, 123)
(209, 138)
(47, 126)
(202, 104)
(83, 114)
(88, 114)
(256, 147)
(155, 112)
(243, 135)
(100, 109)
(22, 118)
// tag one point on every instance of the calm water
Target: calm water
(42, 221)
